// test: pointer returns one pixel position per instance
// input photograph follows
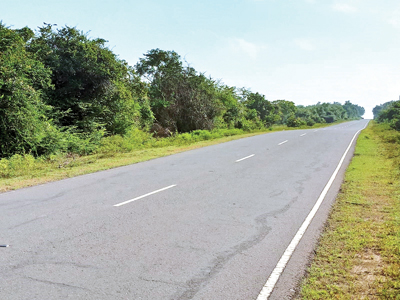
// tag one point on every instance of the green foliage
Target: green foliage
(15, 164)
(285, 110)
(295, 122)
(181, 99)
(353, 111)
(389, 113)
(93, 89)
(266, 111)
(328, 112)
(63, 92)
(231, 110)
(23, 122)
(378, 108)
(132, 140)
(331, 112)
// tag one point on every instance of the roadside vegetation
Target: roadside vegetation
(388, 113)
(358, 256)
(68, 100)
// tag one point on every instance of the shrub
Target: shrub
(310, 122)
(395, 124)
(16, 165)
(295, 122)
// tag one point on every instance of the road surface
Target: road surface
(211, 223)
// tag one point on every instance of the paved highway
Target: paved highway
(211, 223)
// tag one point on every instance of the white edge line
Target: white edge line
(245, 158)
(276, 273)
(282, 142)
(148, 194)
(303, 134)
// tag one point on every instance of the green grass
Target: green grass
(358, 256)
(24, 170)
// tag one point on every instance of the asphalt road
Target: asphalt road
(222, 219)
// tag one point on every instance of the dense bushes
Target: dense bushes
(388, 112)
(92, 88)
(23, 121)
(63, 92)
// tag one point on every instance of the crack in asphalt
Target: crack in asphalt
(57, 283)
(65, 285)
(27, 222)
(161, 281)
(194, 285)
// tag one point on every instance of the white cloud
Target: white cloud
(344, 7)
(305, 44)
(250, 49)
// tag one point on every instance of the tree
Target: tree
(92, 87)
(180, 98)
(378, 108)
(328, 112)
(285, 109)
(23, 121)
(390, 114)
(266, 111)
(353, 110)
(308, 115)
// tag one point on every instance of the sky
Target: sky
(305, 51)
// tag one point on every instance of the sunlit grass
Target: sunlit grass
(358, 256)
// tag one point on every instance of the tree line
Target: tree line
(388, 112)
(62, 91)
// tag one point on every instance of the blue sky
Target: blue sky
(304, 51)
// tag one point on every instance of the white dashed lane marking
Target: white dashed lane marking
(148, 194)
(245, 158)
(283, 142)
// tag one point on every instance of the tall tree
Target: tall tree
(266, 111)
(92, 86)
(181, 99)
(354, 111)
(23, 121)
(285, 109)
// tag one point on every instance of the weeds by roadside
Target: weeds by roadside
(358, 256)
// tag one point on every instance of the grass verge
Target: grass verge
(358, 256)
